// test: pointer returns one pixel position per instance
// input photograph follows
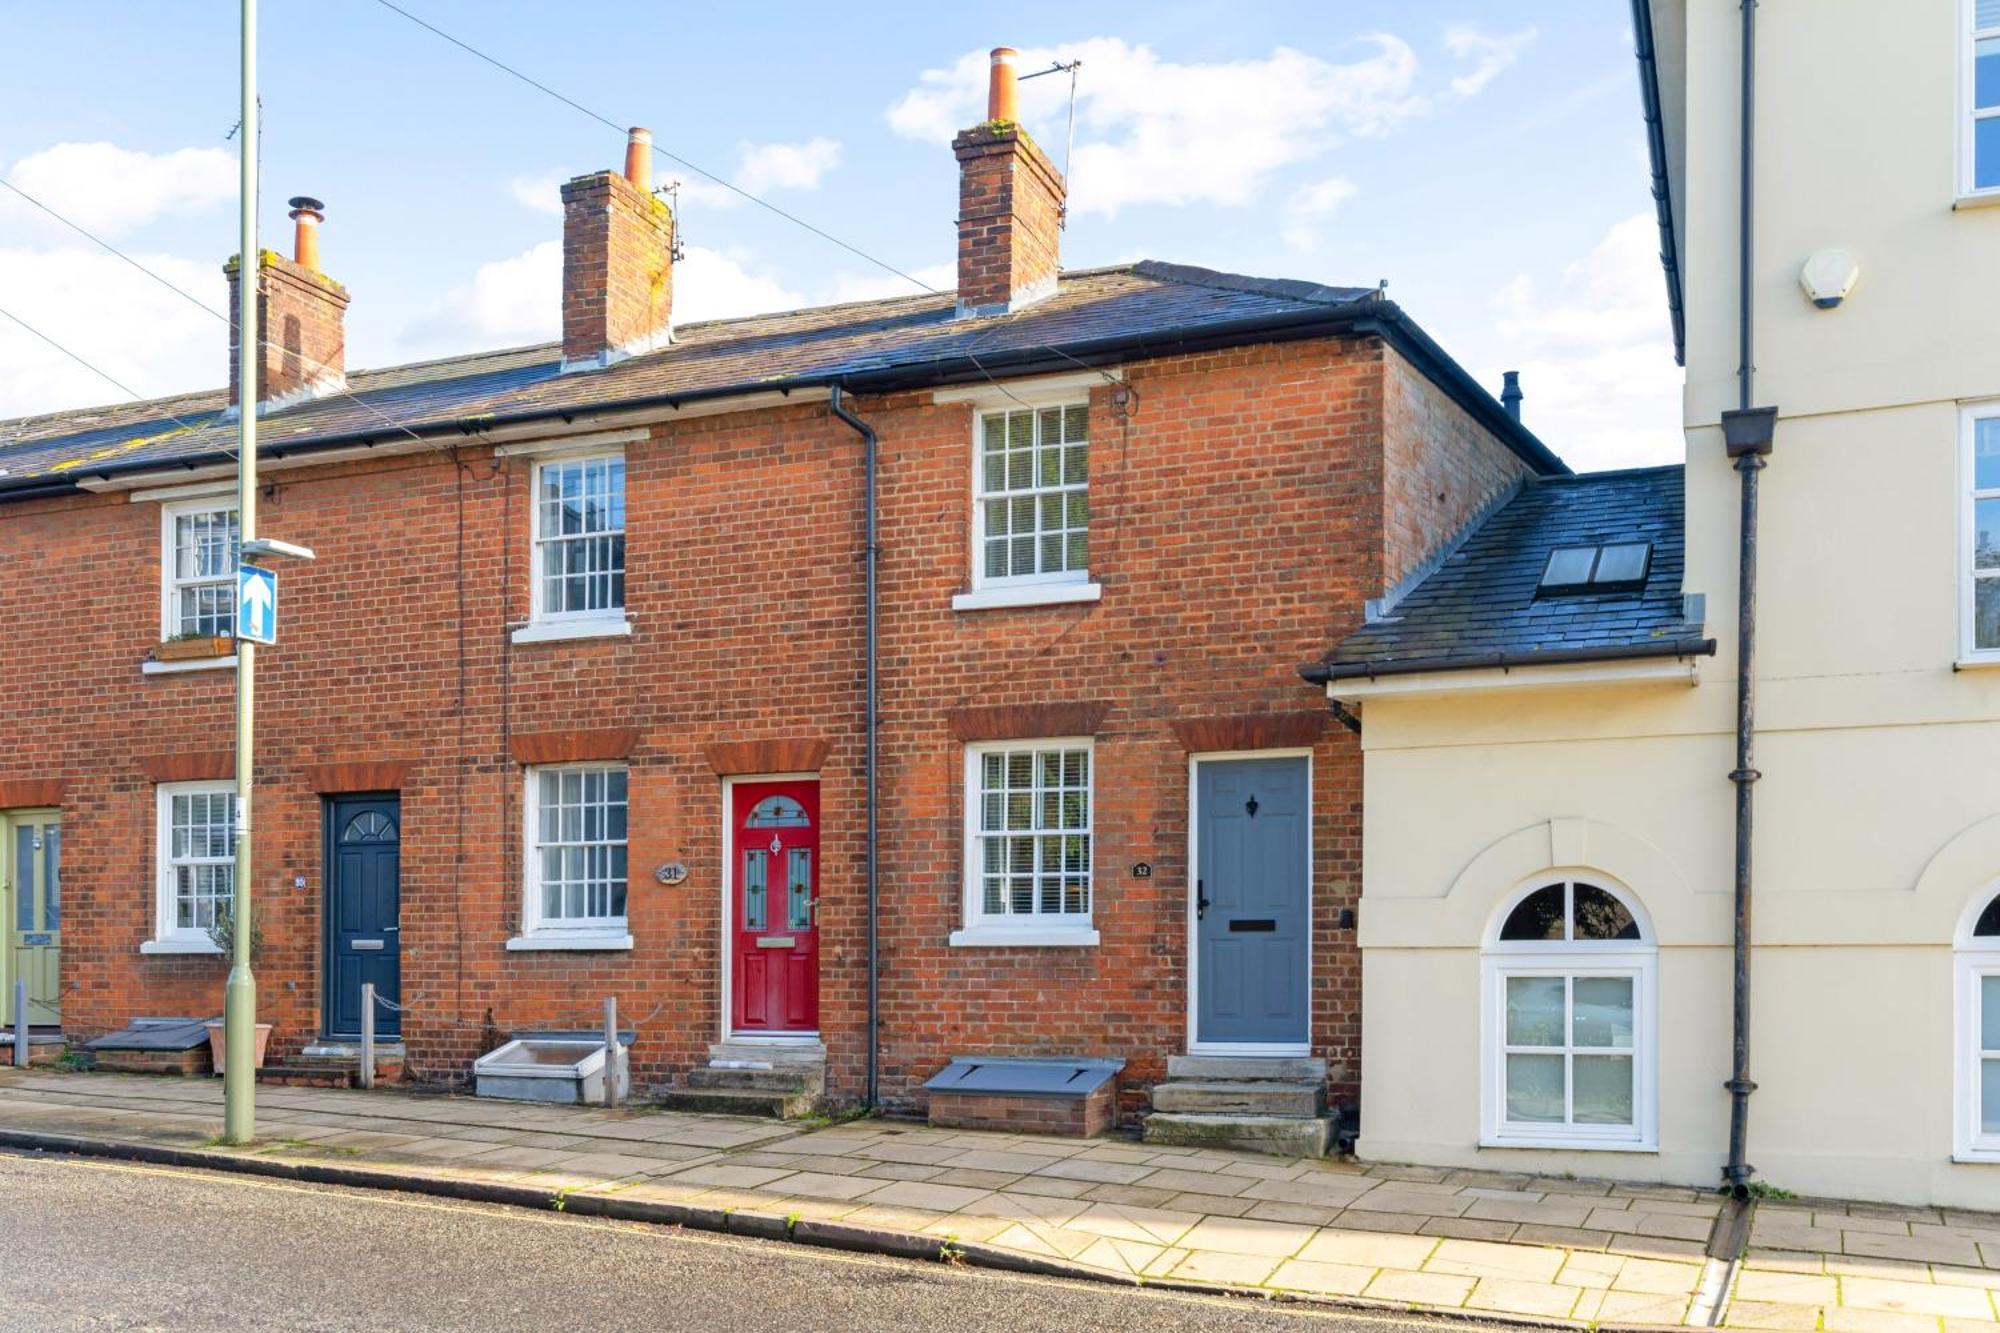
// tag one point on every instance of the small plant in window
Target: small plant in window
(222, 932)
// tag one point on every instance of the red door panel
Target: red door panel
(774, 912)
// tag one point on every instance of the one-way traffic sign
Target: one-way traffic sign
(256, 604)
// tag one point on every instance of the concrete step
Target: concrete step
(791, 1082)
(1247, 1068)
(1261, 1098)
(738, 1101)
(1282, 1136)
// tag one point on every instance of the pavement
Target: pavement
(97, 1245)
(1487, 1244)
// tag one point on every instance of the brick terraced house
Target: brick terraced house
(573, 701)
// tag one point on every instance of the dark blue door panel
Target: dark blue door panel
(363, 911)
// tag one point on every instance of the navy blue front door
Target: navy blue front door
(363, 906)
(1251, 902)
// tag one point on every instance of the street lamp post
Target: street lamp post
(239, 1005)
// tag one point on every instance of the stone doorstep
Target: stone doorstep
(1284, 1136)
(1215, 1097)
(1246, 1068)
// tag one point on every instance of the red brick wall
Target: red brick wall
(618, 275)
(1236, 529)
(1439, 468)
(1009, 216)
(301, 328)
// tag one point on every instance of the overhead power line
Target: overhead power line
(209, 310)
(675, 158)
(96, 370)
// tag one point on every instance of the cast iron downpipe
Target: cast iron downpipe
(1747, 436)
(871, 552)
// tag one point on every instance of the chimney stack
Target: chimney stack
(1010, 206)
(1510, 393)
(618, 253)
(301, 317)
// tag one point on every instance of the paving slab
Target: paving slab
(1497, 1243)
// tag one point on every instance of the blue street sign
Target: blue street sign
(256, 604)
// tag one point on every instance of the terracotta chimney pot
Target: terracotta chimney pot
(1000, 101)
(307, 213)
(639, 158)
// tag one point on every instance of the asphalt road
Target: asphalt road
(101, 1245)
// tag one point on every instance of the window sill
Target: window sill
(1977, 1157)
(1984, 199)
(556, 631)
(195, 947)
(150, 667)
(1026, 594)
(1006, 937)
(1570, 1145)
(1982, 663)
(580, 940)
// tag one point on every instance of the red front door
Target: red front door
(774, 918)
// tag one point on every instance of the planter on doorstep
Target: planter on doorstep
(216, 1047)
(183, 650)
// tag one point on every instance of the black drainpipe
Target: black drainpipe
(871, 553)
(1747, 434)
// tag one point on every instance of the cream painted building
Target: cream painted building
(1549, 716)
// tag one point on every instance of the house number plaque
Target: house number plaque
(673, 872)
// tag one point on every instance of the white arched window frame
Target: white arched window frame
(1586, 1007)
(1976, 1033)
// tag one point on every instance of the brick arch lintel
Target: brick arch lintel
(787, 754)
(1249, 731)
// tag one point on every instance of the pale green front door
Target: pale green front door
(31, 894)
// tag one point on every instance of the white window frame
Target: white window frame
(978, 928)
(1968, 529)
(1975, 958)
(1636, 959)
(543, 624)
(167, 936)
(537, 931)
(170, 585)
(989, 591)
(1968, 116)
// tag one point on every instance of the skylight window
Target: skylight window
(1588, 568)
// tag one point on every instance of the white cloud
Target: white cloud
(1596, 354)
(761, 169)
(715, 284)
(518, 300)
(1492, 55)
(542, 194)
(1311, 206)
(878, 285)
(140, 333)
(1153, 131)
(786, 166)
(113, 190)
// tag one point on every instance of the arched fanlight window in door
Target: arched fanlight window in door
(1568, 994)
(778, 812)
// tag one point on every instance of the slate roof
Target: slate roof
(1096, 316)
(1479, 608)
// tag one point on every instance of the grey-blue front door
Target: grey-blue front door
(1252, 914)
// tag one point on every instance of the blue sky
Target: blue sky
(1486, 158)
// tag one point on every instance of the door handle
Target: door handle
(1200, 900)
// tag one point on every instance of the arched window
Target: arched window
(777, 812)
(1978, 1132)
(1567, 1055)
